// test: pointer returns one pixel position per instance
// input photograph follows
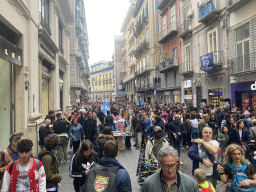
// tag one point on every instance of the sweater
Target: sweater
(185, 183)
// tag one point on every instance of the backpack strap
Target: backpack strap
(37, 164)
(231, 166)
(2, 157)
(209, 184)
(11, 167)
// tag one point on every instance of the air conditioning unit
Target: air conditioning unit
(190, 13)
(163, 64)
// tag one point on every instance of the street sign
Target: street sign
(78, 100)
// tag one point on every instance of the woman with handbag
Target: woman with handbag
(237, 165)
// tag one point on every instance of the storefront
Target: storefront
(244, 94)
(10, 60)
(215, 97)
(46, 76)
(176, 96)
(187, 85)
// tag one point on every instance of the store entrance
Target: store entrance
(246, 98)
(5, 102)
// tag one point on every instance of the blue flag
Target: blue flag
(105, 107)
(137, 103)
(142, 103)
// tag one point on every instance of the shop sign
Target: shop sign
(78, 100)
(207, 62)
(187, 84)
(188, 97)
(10, 52)
(167, 93)
(176, 92)
(78, 92)
(253, 86)
(154, 93)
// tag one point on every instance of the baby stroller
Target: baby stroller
(250, 152)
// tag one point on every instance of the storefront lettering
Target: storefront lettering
(253, 86)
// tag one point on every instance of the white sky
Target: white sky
(104, 20)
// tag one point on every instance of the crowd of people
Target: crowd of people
(217, 140)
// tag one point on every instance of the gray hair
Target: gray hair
(47, 121)
(167, 151)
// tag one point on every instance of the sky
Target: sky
(104, 20)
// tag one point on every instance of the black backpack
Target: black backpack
(2, 160)
(101, 179)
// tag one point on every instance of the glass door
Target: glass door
(5, 102)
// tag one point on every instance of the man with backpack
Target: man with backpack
(109, 175)
(10, 153)
(25, 174)
(50, 163)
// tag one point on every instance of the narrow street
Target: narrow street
(129, 159)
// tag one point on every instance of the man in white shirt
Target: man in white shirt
(198, 154)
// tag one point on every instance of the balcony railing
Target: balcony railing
(233, 5)
(209, 11)
(217, 60)
(45, 24)
(137, 7)
(143, 47)
(243, 64)
(169, 65)
(61, 49)
(143, 70)
(187, 68)
(167, 32)
(161, 4)
(185, 29)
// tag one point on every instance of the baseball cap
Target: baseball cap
(157, 128)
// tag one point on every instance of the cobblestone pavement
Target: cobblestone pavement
(129, 159)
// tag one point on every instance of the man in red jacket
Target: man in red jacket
(25, 174)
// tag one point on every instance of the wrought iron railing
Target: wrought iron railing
(243, 63)
(187, 67)
(167, 30)
(45, 24)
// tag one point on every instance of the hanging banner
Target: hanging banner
(207, 62)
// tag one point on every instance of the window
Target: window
(212, 41)
(110, 75)
(44, 15)
(243, 47)
(173, 18)
(165, 25)
(187, 66)
(61, 38)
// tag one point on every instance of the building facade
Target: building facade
(79, 56)
(170, 51)
(101, 77)
(140, 37)
(204, 66)
(119, 69)
(34, 62)
(242, 52)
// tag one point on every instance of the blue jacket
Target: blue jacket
(234, 137)
(194, 155)
(146, 124)
(76, 131)
(123, 180)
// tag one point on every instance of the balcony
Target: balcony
(137, 7)
(79, 26)
(129, 78)
(234, 5)
(187, 69)
(143, 47)
(209, 12)
(212, 62)
(61, 49)
(143, 70)
(45, 24)
(185, 29)
(141, 25)
(163, 3)
(131, 50)
(79, 56)
(168, 32)
(243, 65)
(168, 65)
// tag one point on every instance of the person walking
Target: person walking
(168, 178)
(146, 124)
(109, 120)
(25, 174)
(204, 154)
(49, 161)
(137, 130)
(44, 132)
(90, 127)
(76, 133)
(194, 125)
(60, 128)
(82, 161)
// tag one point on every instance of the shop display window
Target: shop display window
(245, 101)
(254, 101)
(215, 97)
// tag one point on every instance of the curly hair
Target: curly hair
(230, 149)
(24, 145)
(51, 141)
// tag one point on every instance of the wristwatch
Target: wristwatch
(221, 173)
(202, 143)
